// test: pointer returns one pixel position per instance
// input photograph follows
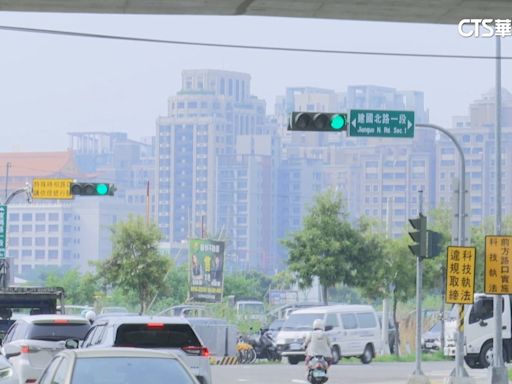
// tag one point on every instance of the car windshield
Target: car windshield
(156, 335)
(301, 322)
(129, 370)
(276, 325)
(436, 327)
(57, 331)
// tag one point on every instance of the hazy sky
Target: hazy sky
(51, 85)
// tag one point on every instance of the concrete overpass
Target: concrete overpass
(419, 11)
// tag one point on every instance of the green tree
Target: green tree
(248, 285)
(283, 280)
(327, 246)
(79, 289)
(135, 263)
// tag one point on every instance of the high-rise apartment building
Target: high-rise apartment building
(205, 118)
(476, 135)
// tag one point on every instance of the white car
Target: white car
(32, 341)
(116, 366)
(7, 375)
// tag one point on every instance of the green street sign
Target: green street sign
(379, 123)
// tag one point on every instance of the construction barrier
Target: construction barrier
(226, 360)
(217, 335)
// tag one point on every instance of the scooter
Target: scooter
(264, 346)
(317, 370)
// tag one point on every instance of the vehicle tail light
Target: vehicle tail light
(155, 325)
(30, 381)
(60, 321)
(25, 349)
(196, 350)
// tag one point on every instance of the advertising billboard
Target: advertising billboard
(206, 265)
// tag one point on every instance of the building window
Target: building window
(53, 254)
(14, 216)
(40, 241)
(26, 217)
(40, 254)
(53, 228)
(26, 241)
(53, 241)
(26, 253)
(26, 228)
(14, 253)
(40, 217)
(40, 227)
(14, 228)
(14, 241)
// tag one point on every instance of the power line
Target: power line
(243, 46)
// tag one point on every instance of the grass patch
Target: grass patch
(510, 373)
(411, 357)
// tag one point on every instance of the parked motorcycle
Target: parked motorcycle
(264, 345)
(317, 370)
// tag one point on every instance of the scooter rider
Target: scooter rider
(317, 343)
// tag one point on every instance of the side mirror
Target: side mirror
(328, 327)
(72, 343)
(11, 350)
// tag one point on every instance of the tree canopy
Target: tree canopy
(136, 264)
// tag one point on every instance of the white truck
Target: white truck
(479, 328)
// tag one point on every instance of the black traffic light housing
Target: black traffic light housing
(419, 249)
(92, 189)
(435, 240)
(318, 122)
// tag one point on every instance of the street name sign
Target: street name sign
(51, 189)
(498, 256)
(460, 275)
(380, 123)
(3, 230)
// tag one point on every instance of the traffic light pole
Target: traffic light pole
(498, 372)
(459, 375)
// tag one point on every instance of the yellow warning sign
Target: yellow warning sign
(498, 253)
(51, 189)
(460, 275)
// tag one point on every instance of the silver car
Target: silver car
(116, 366)
(174, 334)
(32, 341)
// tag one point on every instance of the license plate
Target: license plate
(295, 347)
(318, 373)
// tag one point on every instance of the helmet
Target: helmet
(91, 316)
(318, 324)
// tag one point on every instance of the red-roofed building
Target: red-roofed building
(22, 167)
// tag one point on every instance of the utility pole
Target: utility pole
(7, 166)
(498, 372)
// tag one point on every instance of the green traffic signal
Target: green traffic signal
(101, 189)
(317, 121)
(337, 121)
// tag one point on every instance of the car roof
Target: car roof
(335, 308)
(118, 352)
(137, 319)
(42, 318)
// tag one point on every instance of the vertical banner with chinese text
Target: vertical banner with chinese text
(206, 265)
(460, 275)
(498, 251)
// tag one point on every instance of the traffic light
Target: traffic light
(435, 239)
(419, 249)
(92, 189)
(317, 122)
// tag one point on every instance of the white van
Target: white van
(354, 330)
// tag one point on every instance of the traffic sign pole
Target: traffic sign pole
(459, 375)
